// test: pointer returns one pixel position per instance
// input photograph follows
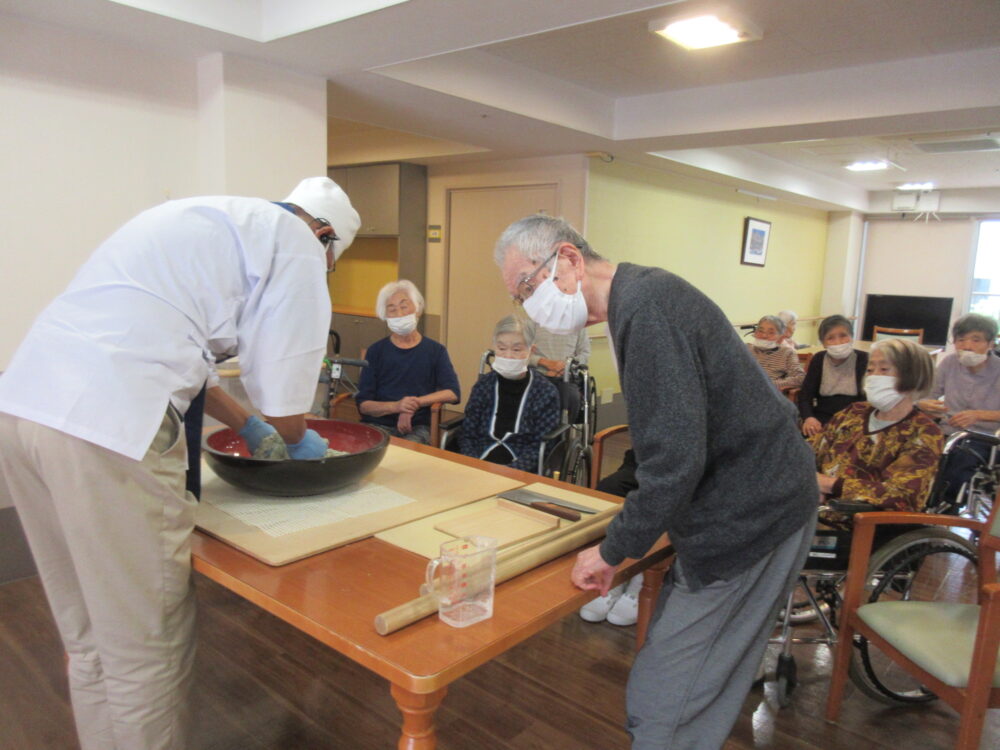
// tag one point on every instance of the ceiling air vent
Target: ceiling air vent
(955, 147)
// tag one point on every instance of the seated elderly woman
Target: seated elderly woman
(882, 451)
(779, 362)
(835, 376)
(512, 407)
(790, 318)
(966, 394)
(407, 372)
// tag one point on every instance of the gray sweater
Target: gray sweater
(722, 466)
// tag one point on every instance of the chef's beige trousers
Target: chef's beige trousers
(111, 539)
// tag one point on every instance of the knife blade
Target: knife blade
(527, 497)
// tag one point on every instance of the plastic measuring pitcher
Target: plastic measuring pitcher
(466, 571)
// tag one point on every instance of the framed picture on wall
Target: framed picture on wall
(756, 233)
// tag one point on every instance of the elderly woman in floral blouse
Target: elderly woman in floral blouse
(882, 451)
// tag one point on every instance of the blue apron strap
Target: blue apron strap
(193, 421)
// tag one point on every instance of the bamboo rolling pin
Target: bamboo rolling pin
(509, 564)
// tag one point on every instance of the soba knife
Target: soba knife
(527, 497)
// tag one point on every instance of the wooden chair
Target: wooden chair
(950, 648)
(913, 334)
(598, 451)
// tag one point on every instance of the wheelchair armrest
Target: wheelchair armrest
(851, 507)
(982, 437)
(555, 433)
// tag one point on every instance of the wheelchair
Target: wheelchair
(565, 453)
(335, 384)
(974, 497)
(911, 563)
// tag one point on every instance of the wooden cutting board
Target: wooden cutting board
(507, 522)
(434, 484)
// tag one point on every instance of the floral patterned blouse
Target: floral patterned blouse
(892, 468)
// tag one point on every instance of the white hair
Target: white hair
(523, 326)
(403, 285)
(788, 316)
(535, 237)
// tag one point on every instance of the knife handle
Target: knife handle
(555, 510)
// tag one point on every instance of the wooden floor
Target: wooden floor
(262, 685)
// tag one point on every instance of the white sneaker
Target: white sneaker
(597, 610)
(626, 609)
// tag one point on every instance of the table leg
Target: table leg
(418, 717)
(652, 582)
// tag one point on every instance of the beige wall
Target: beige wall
(927, 259)
(93, 132)
(694, 229)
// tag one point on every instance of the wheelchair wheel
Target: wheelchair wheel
(921, 565)
(576, 469)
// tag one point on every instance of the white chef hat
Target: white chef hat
(323, 198)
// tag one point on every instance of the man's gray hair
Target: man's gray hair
(535, 237)
(403, 285)
(523, 326)
(774, 320)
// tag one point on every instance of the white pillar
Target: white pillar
(261, 128)
(845, 234)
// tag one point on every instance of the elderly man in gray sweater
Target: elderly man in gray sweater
(721, 468)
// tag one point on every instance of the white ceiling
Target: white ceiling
(514, 78)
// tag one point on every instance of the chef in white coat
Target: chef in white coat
(93, 451)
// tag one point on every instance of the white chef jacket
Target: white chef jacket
(172, 289)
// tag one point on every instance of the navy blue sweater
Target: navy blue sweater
(393, 373)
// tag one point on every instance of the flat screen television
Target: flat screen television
(933, 314)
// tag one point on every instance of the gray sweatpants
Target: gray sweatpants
(703, 647)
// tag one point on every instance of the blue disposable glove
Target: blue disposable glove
(255, 430)
(310, 446)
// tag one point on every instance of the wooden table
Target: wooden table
(334, 597)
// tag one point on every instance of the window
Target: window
(986, 276)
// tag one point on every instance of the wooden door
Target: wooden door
(477, 298)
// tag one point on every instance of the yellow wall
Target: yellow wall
(694, 229)
(368, 265)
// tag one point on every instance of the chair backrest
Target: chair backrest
(913, 334)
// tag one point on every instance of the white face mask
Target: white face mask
(509, 367)
(971, 359)
(764, 344)
(881, 392)
(403, 325)
(840, 351)
(554, 310)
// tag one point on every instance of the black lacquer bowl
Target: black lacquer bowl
(227, 454)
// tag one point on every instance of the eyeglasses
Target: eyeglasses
(525, 287)
(327, 239)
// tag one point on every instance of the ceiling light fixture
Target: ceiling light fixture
(705, 31)
(916, 186)
(868, 166)
(763, 196)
